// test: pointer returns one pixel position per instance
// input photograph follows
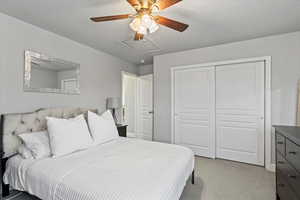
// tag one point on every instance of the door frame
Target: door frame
(268, 99)
(124, 73)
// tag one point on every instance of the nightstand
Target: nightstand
(122, 129)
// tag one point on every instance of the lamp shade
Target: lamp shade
(113, 102)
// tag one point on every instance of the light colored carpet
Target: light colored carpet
(226, 180)
(223, 180)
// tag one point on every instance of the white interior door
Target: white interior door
(240, 112)
(145, 125)
(194, 110)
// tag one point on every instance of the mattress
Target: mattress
(124, 169)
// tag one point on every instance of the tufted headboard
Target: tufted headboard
(14, 124)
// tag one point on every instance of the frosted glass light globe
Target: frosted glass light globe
(155, 9)
(142, 30)
(135, 24)
(154, 27)
(146, 21)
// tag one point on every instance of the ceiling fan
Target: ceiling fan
(146, 19)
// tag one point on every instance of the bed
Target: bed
(122, 169)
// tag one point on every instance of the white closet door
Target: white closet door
(240, 112)
(194, 111)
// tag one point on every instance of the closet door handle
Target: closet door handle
(293, 152)
(279, 142)
(292, 176)
(123, 113)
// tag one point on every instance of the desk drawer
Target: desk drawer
(280, 143)
(289, 173)
(283, 189)
(293, 154)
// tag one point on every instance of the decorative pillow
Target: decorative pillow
(37, 143)
(25, 152)
(103, 127)
(68, 135)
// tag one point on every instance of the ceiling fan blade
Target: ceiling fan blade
(178, 26)
(138, 36)
(163, 4)
(109, 18)
(134, 3)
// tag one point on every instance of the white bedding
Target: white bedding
(124, 169)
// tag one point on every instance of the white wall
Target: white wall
(145, 69)
(100, 75)
(285, 52)
(298, 111)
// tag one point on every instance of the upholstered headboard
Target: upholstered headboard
(14, 124)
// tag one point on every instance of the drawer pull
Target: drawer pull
(293, 152)
(281, 185)
(292, 176)
(280, 162)
(279, 142)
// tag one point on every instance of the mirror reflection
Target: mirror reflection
(43, 74)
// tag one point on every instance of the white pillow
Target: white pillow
(37, 143)
(25, 152)
(103, 127)
(68, 135)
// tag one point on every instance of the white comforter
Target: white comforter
(125, 169)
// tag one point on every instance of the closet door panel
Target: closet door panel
(240, 112)
(194, 125)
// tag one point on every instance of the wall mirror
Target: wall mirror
(50, 75)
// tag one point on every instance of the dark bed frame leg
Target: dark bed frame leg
(193, 177)
(5, 190)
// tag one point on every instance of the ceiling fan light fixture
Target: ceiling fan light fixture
(144, 24)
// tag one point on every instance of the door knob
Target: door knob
(151, 112)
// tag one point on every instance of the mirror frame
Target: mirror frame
(27, 74)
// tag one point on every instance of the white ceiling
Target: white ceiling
(212, 22)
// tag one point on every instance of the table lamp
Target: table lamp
(114, 103)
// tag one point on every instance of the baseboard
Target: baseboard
(145, 137)
(139, 135)
(271, 167)
(131, 135)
